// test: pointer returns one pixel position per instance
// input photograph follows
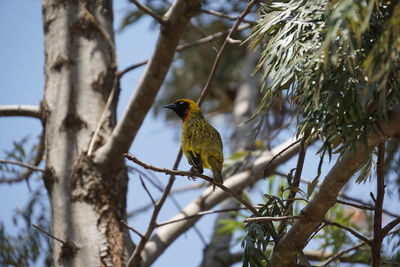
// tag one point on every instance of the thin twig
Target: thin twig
(266, 169)
(199, 214)
(341, 253)
(218, 58)
(269, 219)
(354, 205)
(380, 194)
(350, 230)
(182, 189)
(224, 16)
(131, 228)
(103, 116)
(147, 190)
(22, 164)
(295, 183)
(49, 235)
(367, 204)
(183, 47)
(149, 11)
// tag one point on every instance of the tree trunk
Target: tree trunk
(87, 201)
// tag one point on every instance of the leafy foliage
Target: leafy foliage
(338, 62)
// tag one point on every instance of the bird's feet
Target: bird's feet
(193, 173)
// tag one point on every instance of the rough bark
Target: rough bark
(208, 199)
(292, 243)
(87, 202)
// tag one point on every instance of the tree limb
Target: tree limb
(165, 235)
(286, 251)
(177, 17)
(20, 110)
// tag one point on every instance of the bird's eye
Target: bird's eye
(181, 102)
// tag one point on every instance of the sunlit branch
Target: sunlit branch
(20, 110)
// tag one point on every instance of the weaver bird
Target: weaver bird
(201, 143)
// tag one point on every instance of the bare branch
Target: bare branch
(135, 258)
(380, 192)
(341, 253)
(183, 47)
(354, 205)
(390, 226)
(49, 235)
(177, 18)
(21, 110)
(103, 116)
(191, 175)
(149, 11)
(147, 191)
(267, 167)
(296, 238)
(218, 58)
(199, 214)
(269, 219)
(132, 229)
(22, 164)
(224, 16)
(350, 230)
(366, 205)
(166, 234)
(173, 191)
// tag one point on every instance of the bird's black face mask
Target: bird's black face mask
(179, 107)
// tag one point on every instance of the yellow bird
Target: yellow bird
(201, 143)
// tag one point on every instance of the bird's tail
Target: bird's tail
(217, 176)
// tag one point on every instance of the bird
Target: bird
(201, 143)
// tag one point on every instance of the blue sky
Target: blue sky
(21, 82)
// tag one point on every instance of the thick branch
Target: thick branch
(20, 110)
(125, 131)
(286, 251)
(165, 235)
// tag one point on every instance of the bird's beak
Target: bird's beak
(171, 106)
